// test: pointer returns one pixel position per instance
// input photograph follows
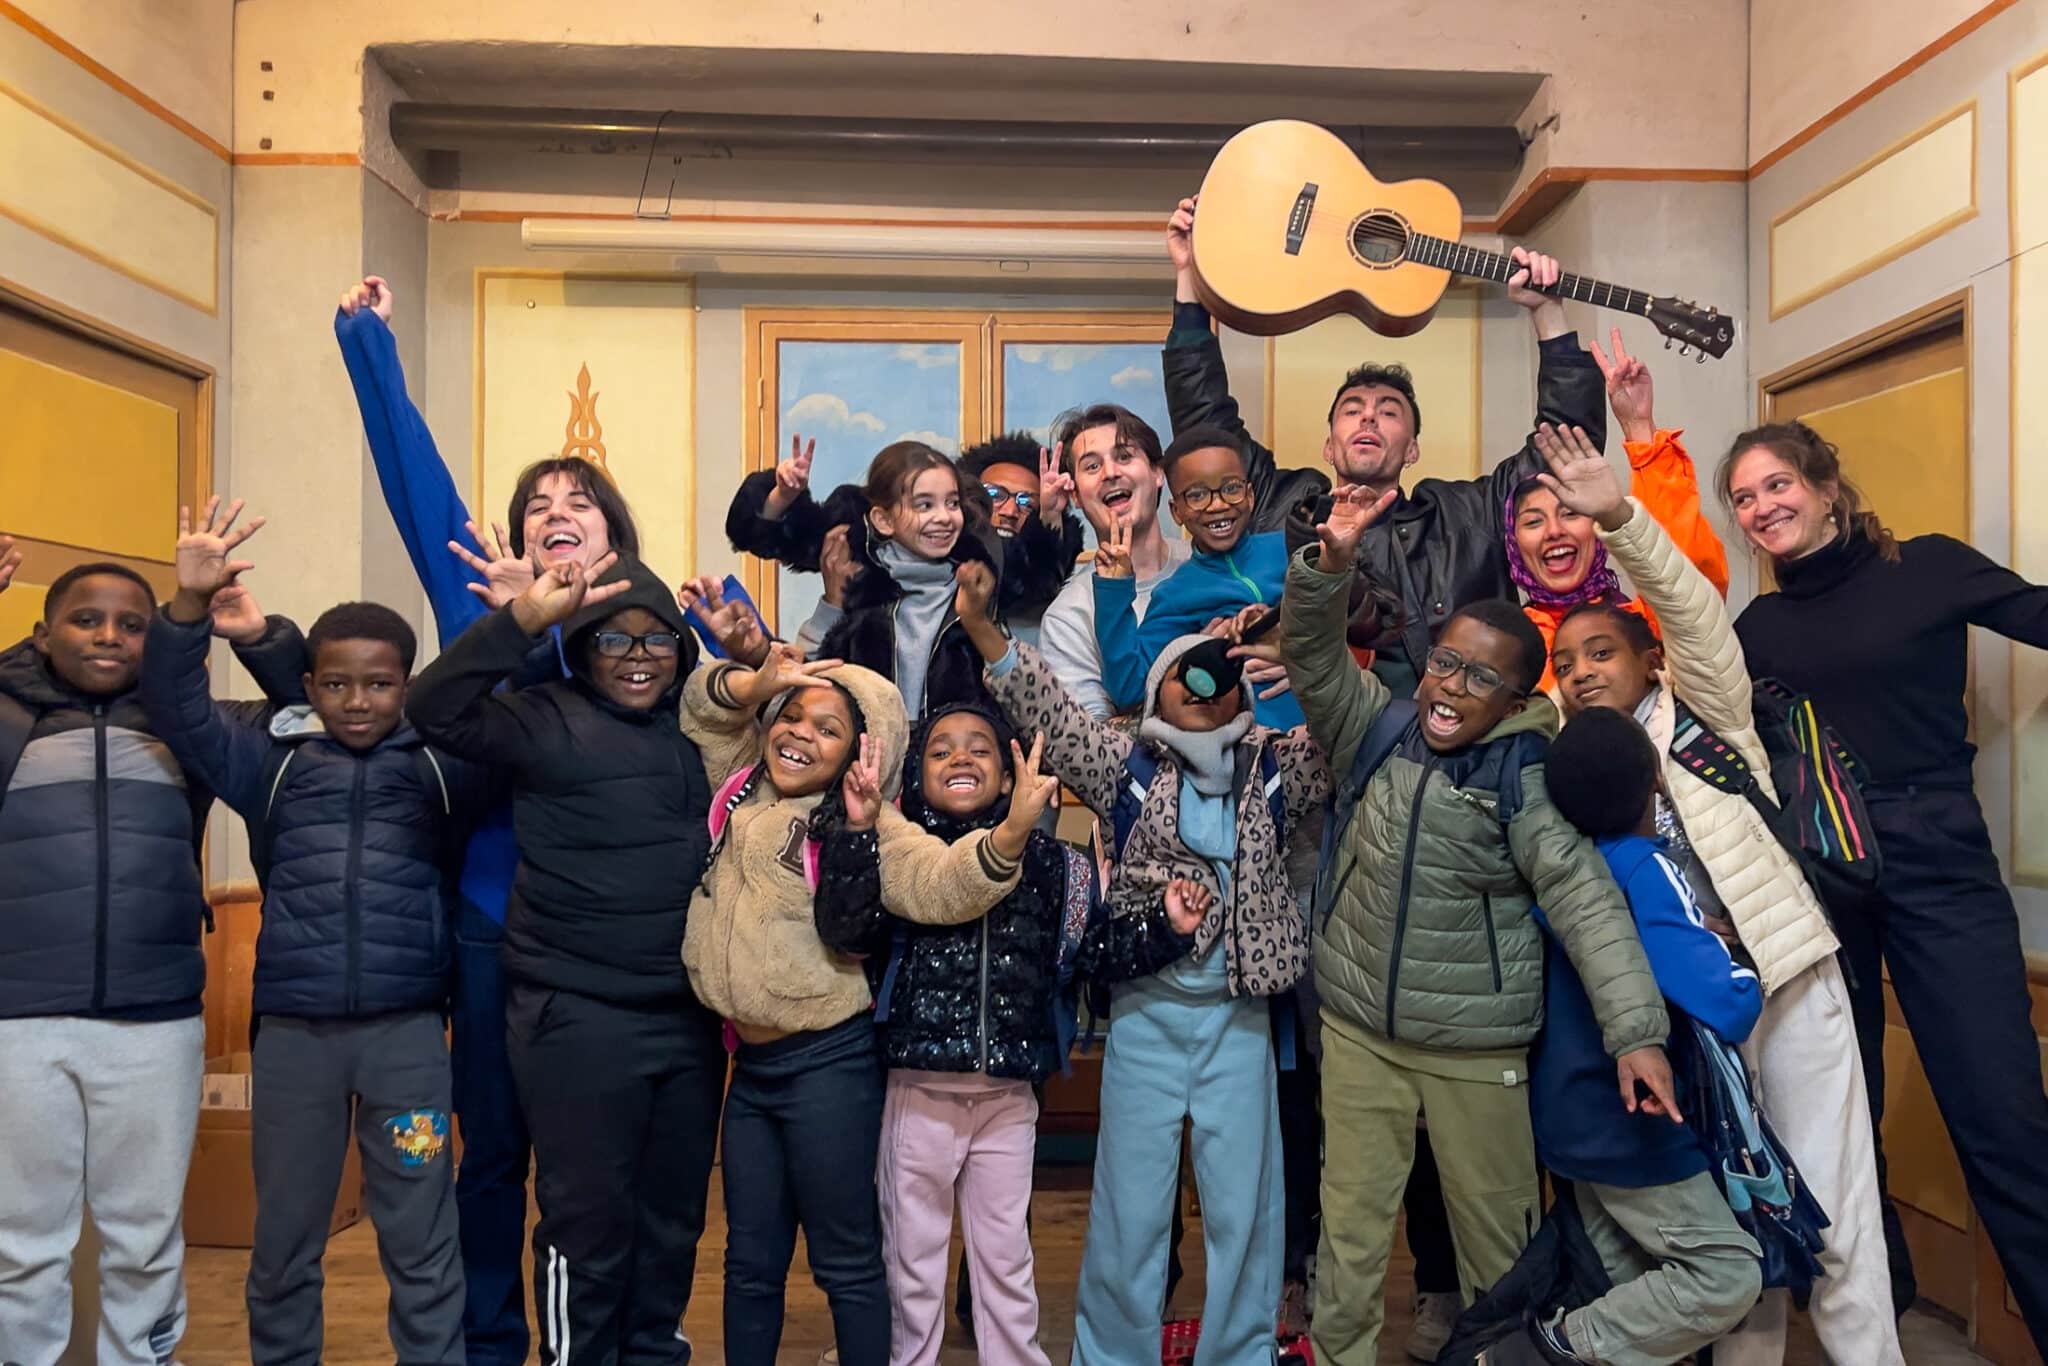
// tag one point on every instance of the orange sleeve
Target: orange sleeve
(1665, 484)
(1547, 620)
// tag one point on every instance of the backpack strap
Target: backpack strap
(1706, 755)
(1382, 738)
(260, 833)
(1141, 766)
(731, 793)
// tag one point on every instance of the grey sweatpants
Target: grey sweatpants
(305, 1073)
(98, 1115)
(1684, 1272)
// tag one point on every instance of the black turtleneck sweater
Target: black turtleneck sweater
(1882, 647)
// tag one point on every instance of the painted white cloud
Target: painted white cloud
(938, 441)
(929, 357)
(1057, 359)
(829, 412)
(1129, 375)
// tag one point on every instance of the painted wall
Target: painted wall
(1973, 256)
(1862, 40)
(178, 52)
(1612, 114)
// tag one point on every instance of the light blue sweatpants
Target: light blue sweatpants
(1180, 1046)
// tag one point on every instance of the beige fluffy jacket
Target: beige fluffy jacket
(751, 945)
(1774, 909)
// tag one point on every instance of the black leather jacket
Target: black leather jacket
(1443, 544)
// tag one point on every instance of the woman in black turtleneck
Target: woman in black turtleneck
(1876, 632)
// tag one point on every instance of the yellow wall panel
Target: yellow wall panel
(2029, 192)
(1307, 366)
(636, 336)
(69, 438)
(87, 195)
(1903, 197)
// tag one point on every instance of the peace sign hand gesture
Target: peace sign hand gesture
(1055, 485)
(1581, 477)
(1030, 794)
(792, 477)
(1352, 510)
(1630, 392)
(505, 575)
(10, 560)
(862, 786)
(1113, 556)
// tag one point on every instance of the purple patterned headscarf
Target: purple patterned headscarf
(1599, 584)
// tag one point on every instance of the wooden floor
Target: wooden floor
(218, 1333)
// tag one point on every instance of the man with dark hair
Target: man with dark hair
(1443, 543)
(1010, 469)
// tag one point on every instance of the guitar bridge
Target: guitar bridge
(1297, 221)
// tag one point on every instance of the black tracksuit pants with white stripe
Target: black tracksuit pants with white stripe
(623, 1105)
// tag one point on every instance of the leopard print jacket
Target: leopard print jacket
(1261, 926)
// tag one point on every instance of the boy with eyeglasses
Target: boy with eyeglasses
(1427, 958)
(1233, 570)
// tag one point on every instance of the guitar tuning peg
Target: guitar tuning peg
(1699, 358)
(1667, 343)
(1684, 351)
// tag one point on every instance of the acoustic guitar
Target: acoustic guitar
(1293, 228)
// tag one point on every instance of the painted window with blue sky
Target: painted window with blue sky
(1041, 380)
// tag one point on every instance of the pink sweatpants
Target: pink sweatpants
(941, 1133)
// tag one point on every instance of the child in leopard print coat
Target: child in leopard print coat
(1189, 971)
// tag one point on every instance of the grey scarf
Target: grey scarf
(920, 614)
(1208, 758)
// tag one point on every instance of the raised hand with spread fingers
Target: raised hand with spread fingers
(1580, 476)
(734, 625)
(10, 561)
(1353, 509)
(205, 556)
(505, 575)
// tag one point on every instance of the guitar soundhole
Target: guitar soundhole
(1380, 239)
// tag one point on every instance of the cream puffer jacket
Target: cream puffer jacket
(1774, 909)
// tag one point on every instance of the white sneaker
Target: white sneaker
(1434, 1316)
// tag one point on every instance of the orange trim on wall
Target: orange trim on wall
(1548, 188)
(293, 158)
(1880, 85)
(79, 57)
(591, 215)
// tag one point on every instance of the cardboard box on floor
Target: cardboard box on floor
(220, 1193)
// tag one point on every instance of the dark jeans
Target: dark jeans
(1429, 1226)
(1943, 922)
(1301, 1161)
(490, 1183)
(623, 1102)
(803, 1121)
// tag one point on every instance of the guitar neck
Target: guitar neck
(1460, 259)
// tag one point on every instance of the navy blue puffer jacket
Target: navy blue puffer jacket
(354, 847)
(101, 902)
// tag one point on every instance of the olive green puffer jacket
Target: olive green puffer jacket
(1424, 931)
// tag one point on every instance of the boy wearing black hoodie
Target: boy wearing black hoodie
(620, 1069)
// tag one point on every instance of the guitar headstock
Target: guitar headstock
(1706, 330)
